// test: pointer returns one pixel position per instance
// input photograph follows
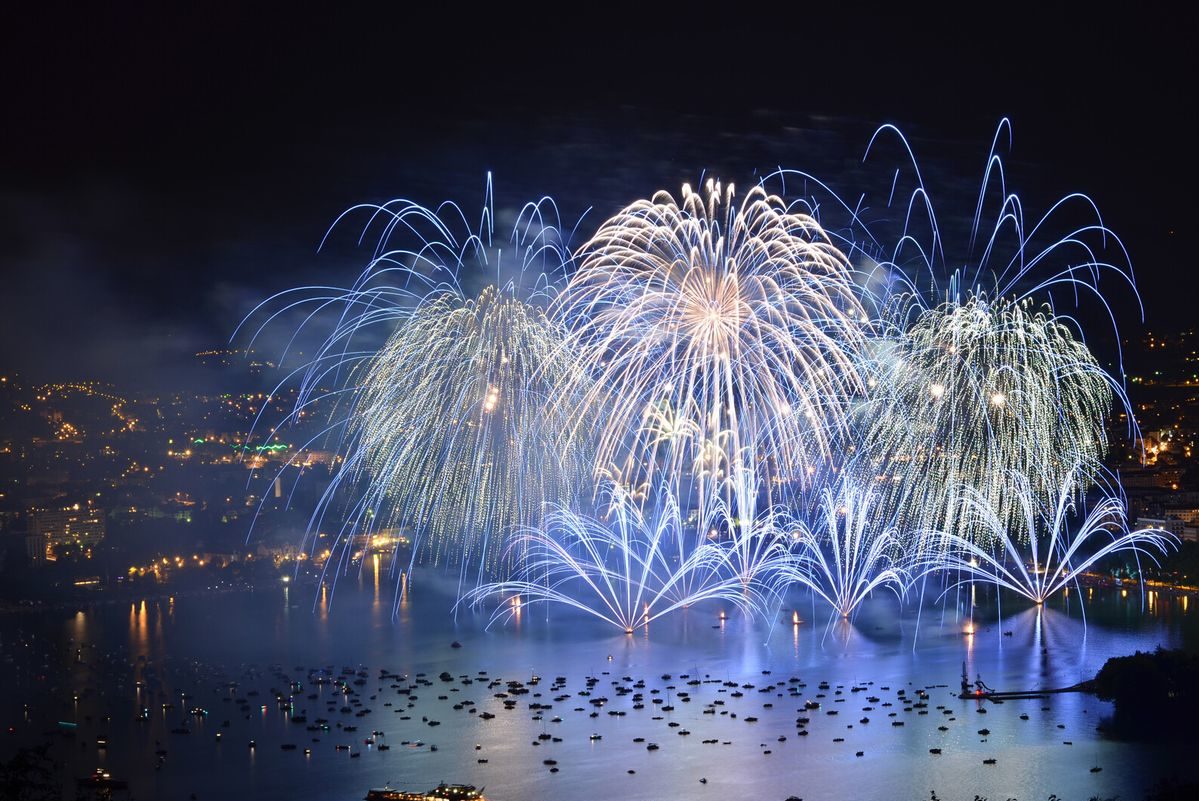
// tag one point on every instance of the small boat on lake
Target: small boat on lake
(102, 780)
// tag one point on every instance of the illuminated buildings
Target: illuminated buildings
(53, 531)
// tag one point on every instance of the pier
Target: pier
(981, 691)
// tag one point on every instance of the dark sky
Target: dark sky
(162, 173)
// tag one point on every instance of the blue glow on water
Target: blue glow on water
(195, 646)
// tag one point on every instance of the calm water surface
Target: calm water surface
(264, 640)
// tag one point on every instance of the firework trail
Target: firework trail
(971, 393)
(912, 259)
(708, 325)
(437, 399)
(1043, 556)
(624, 568)
(848, 553)
(975, 370)
(452, 431)
(750, 526)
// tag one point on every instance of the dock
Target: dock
(982, 692)
(1017, 695)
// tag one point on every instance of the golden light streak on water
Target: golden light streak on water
(139, 630)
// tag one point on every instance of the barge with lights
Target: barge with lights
(442, 792)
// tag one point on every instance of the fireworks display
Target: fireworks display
(715, 331)
(626, 570)
(973, 392)
(439, 401)
(849, 552)
(709, 400)
(1056, 555)
(454, 430)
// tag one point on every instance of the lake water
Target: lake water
(79, 665)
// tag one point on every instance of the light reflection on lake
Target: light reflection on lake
(197, 644)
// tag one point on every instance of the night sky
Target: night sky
(161, 174)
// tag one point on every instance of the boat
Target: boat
(442, 792)
(457, 792)
(102, 780)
